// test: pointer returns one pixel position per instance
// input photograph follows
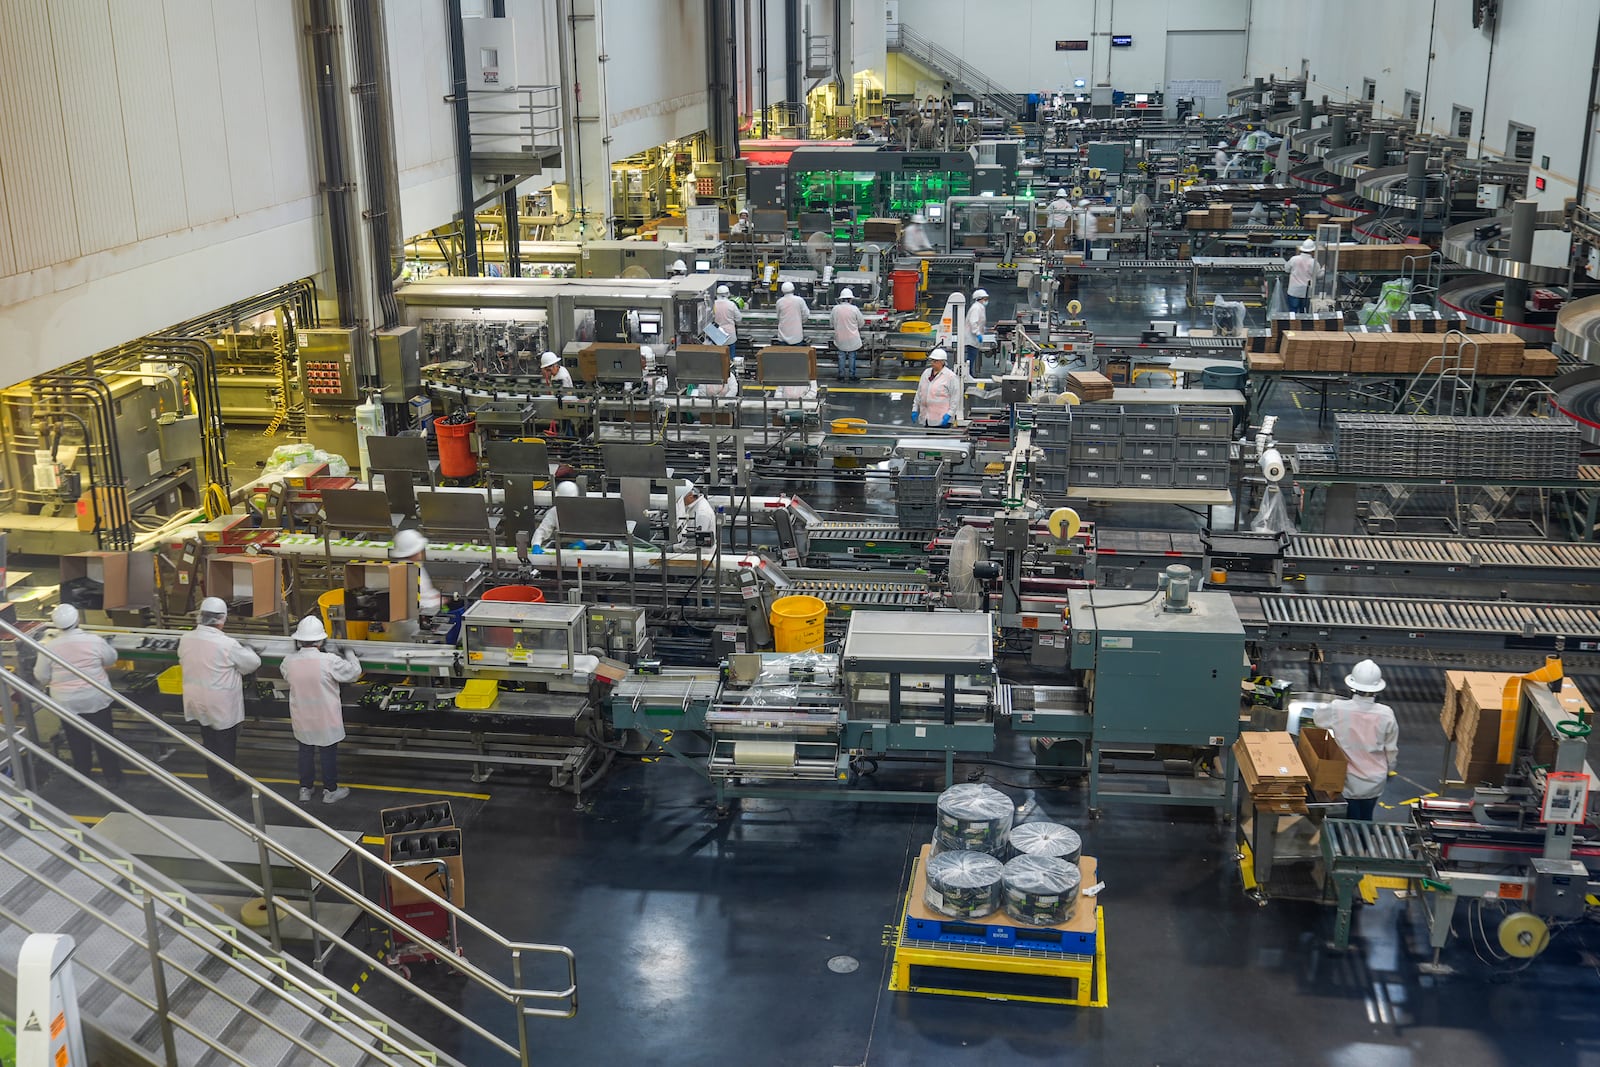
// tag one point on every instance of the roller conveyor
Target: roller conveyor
(873, 593)
(1440, 556)
(1388, 621)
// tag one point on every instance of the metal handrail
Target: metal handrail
(527, 1002)
(943, 61)
(537, 101)
(144, 896)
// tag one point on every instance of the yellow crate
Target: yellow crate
(170, 681)
(478, 694)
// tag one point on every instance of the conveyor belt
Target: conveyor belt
(1387, 621)
(1369, 846)
(865, 594)
(1440, 556)
(1491, 255)
(862, 531)
(1578, 329)
(1391, 186)
(1474, 296)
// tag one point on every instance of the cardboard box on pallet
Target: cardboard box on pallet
(1539, 363)
(1316, 350)
(1270, 362)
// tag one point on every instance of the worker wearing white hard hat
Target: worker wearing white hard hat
(726, 314)
(1304, 270)
(213, 667)
(549, 526)
(1367, 732)
(915, 238)
(1219, 158)
(847, 322)
(792, 311)
(699, 524)
(679, 269)
(977, 325)
(555, 375)
(742, 227)
(410, 546)
(655, 377)
(1059, 211)
(72, 686)
(316, 713)
(937, 392)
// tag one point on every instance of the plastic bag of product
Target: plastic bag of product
(974, 817)
(964, 885)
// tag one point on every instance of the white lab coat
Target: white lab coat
(548, 528)
(1057, 214)
(727, 388)
(792, 312)
(314, 678)
(726, 314)
(977, 322)
(89, 653)
(1303, 270)
(428, 598)
(701, 517)
(936, 396)
(214, 666)
(915, 238)
(847, 323)
(796, 392)
(1370, 737)
(561, 379)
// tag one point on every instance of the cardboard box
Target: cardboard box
(128, 578)
(811, 354)
(399, 580)
(1539, 363)
(1482, 773)
(1454, 682)
(1270, 362)
(252, 585)
(423, 852)
(1271, 766)
(106, 506)
(1325, 761)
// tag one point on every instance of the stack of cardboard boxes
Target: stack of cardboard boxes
(1273, 771)
(1306, 345)
(1474, 722)
(1091, 386)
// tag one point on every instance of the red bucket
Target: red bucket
(456, 459)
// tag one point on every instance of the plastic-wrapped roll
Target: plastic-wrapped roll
(974, 818)
(1049, 839)
(964, 885)
(1040, 891)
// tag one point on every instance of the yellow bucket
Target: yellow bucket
(334, 598)
(478, 694)
(797, 623)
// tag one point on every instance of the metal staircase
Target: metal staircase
(168, 979)
(949, 66)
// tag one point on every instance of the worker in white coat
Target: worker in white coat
(555, 375)
(88, 654)
(1219, 159)
(699, 520)
(937, 393)
(915, 237)
(847, 322)
(726, 314)
(315, 711)
(213, 667)
(728, 388)
(1367, 732)
(549, 526)
(679, 269)
(792, 311)
(742, 227)
(1304, 270)
(411, 547)
(1059, 211)
(976, 325)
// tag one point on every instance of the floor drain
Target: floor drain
(844, 964)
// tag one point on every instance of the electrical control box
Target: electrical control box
(1559, 888)
(1159, 677)
(1492, 197)
(1011, 532)
(399, 369)
(327, 364)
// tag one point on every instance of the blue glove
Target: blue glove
(913, 414)
(580, 544)
(945, 421)
(537, 550)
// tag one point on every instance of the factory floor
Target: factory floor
(759, 938)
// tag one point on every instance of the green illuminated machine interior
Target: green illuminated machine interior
(865, 194)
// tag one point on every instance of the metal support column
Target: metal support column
(463, 130)
(1524, 224)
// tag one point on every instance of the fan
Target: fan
(819, 247)
(966, 552)
(636, 271)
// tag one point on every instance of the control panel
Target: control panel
(327, 365)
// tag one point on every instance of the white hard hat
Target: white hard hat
(678, 265)
(980, 294)
(644, 350)
(689, 489)
(1222, 144)
(213, 605)
(846, 294)
(1366, 678)
(788, 287)
(1308, 245)
(939, 354)
(310, 629)
(918, 219)
(722, 290)
(407, 543)
(549, 359)
(65, 617)
(744, 211)
(566, 489)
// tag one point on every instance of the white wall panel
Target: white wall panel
(197, 102)
(144, 82)
(33, 151)
(283, 81)
(86, 76)
(244, 107)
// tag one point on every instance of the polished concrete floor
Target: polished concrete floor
(705, 941)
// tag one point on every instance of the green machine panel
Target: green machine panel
(1159, 677)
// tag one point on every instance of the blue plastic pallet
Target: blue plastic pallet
(998, 935)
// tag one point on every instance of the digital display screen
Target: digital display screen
(649, 329)
(1072, 46)
(911, 162)
(1121, 40)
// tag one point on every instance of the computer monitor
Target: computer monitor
(1141, 98)
(648, 328)
(935, 213)
(702, 266)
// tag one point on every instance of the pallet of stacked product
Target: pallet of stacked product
(1317, 351)
(1497, 353)
(1220, 216)
(1196, 220)
(1369, 350)
(1540, 363)
(1091, 386)
(1266, 362)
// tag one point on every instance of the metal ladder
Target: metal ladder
(25, 755)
